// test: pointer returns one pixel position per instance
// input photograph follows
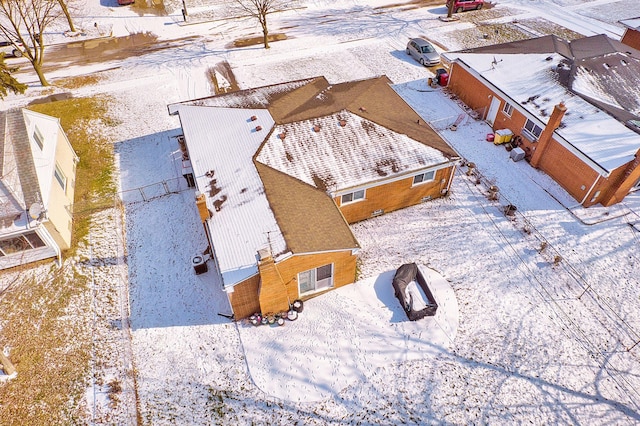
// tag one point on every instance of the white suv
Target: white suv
(11, 49)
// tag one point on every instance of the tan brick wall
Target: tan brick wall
(273, 293)
(344, 270)
(393, 196)
(245, 300)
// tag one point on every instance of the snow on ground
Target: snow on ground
(538, 340)
(526, 347)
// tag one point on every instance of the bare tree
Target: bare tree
(7, 82)
(24, 22)
(259, 9)
(65, 10)
(450, 5)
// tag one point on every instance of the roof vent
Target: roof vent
(363, 109)
(258, 128)
(282, 135)
(343, 122)
(253, 118)
(264, 254)
(316, 128)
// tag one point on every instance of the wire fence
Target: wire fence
(460, 120)
(134, 195)
(154, 190)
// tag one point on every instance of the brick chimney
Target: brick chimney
(547, 133)
(273, 293)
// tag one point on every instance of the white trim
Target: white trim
(315, 280)
(353, 200)
(449, 164)
(433, 178)
(534, 137)
(60, 177)
(492, 112)
(507, 104)
(38, 137)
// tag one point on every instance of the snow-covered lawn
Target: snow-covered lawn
(527, 347)
(548, 301)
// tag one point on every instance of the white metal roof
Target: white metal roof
(633, 23)
(221, 144)
(529, 79)
(359, 153)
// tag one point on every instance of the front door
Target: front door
(493, 111)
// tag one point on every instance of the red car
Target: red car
(462, 5)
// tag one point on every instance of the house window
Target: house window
(507, 109)
(531, 130)
(352, 197)
(20, 243)
(60, 177)
(424, 177)
(38, 137)
(315, 279)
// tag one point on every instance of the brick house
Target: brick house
(574, 107)
(281, 171)
(631, 36)
(37, 179)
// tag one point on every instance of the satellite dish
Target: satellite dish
(35, 211)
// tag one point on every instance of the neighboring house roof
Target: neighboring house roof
(596, 78)
(19, 185)
(266, 194)
(632, 23)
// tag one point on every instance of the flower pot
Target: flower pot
(298, 305)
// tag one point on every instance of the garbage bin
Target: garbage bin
(502, 136)
(442, 76)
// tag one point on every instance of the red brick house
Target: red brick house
(631, 36)
(282, 170)
(574, 107)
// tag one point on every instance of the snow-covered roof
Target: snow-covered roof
(221, 144)
(280, 201)
(337, 157)
(531, 81)
(633, 23)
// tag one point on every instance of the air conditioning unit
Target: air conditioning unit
(199, 263)
(517, 154)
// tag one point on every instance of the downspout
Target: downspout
(453, 171)
(588, 192)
